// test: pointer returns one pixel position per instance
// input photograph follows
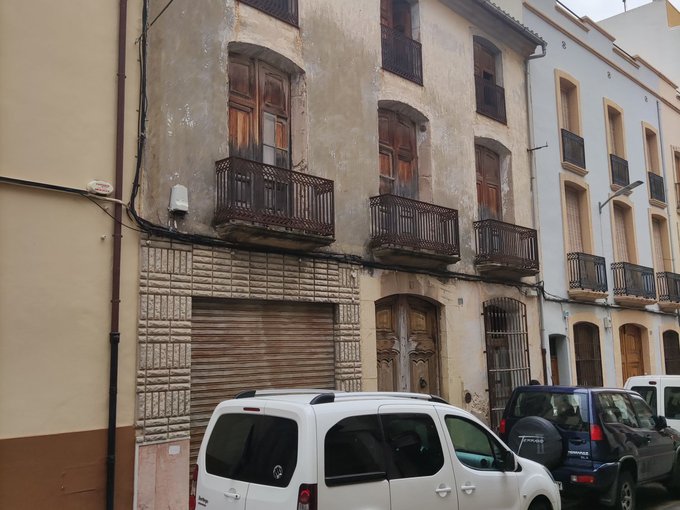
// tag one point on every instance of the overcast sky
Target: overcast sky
(600, 9)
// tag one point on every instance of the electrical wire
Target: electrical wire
(162, 231)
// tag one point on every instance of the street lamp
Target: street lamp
(619, 192)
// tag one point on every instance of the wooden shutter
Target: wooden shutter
(566, 119)
(488, 183)
(575, 237)
(242, 107)
(396, 14)
(274, 95)
(397, 154)
(386, 13)
(259, 112)
(612, 133)
(401, 17)
(238, 345)
(622, 254)
(657, 233)
(485, 63)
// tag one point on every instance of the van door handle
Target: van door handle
(468, 488)
(233, 495)
(443, 490)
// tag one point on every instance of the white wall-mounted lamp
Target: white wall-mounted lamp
(618, 193)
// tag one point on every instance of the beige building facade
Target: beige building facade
(358, 211)
(58, 104)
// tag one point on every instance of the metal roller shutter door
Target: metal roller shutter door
(239, 345)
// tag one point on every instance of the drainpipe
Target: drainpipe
(534, 203)
(114, 334)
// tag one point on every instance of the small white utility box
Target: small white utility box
(179, 199)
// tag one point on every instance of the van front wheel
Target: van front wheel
(625, 492)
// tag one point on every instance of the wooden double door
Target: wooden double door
(407, 345)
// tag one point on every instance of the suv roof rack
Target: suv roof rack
(273, 391)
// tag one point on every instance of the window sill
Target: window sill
(574, 168)
(657, 203)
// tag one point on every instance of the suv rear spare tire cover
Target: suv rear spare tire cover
(537, 439)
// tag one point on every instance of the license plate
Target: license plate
(559, 485)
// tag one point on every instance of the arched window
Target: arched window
(588, 357)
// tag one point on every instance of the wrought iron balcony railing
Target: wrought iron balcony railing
(490, 99)
(273, 196)
(656, 187)
(506, 244)
(418, 225)
(285, 10)
(587, 272)
(402, 55)
(573, 149)
(619, 170)
(668, 285)
(633, 280)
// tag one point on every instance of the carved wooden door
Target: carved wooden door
(407, 344)
(631, 351)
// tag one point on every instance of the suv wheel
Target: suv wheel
(625, 492)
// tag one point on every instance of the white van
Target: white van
(662, 393)
(322, 450)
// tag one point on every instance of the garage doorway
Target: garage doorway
(239, 345)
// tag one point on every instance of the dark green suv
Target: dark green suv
(594, 440)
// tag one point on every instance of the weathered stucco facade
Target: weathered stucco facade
(458, 313)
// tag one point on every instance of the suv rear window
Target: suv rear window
(566, 410)
(253, 448)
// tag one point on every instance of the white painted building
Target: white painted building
(651, 31)
(606, 253)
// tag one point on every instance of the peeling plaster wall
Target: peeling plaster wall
(338, 48)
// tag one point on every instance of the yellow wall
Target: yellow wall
(58, 63)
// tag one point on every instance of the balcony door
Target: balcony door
(621, 247)
(398, 158)
(259, 131)
(488, 183)
(407, 345)
(632, 361)
(396, 14)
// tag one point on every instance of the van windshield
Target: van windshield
(568, 411)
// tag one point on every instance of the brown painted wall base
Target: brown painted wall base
(65, 471)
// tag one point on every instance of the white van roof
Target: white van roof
(639, 380)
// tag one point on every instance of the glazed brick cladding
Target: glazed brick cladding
(173, 273)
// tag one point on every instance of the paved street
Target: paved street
(652, 497)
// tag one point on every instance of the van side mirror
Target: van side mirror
(509, 461)
(660, 422)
